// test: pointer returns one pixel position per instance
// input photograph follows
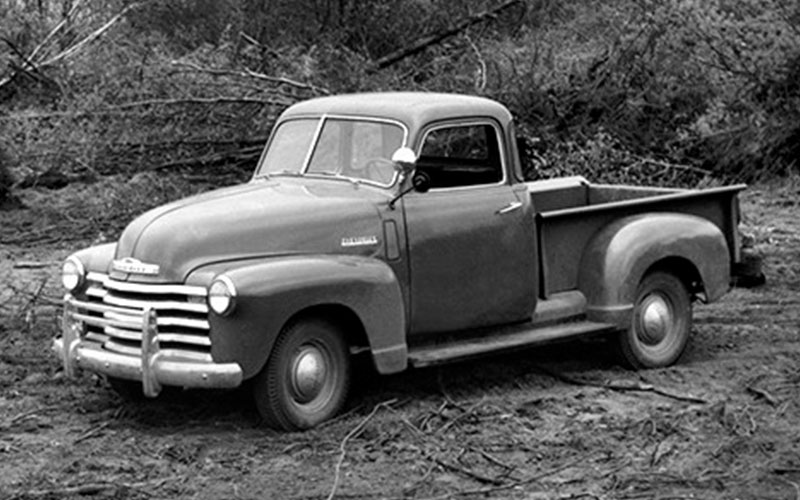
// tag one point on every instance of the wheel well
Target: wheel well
(684, 270)
(339, 315)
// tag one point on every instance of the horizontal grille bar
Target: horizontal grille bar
(144, 288)
(158, 305)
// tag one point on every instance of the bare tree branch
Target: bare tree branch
(429, 40)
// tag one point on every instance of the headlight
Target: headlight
(72, 274)
(222, 295)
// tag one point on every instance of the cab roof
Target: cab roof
(415, 109)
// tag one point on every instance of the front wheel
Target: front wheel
(661, 322)
(306, 378)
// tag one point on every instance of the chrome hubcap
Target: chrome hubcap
(655, 320)
(308, 374)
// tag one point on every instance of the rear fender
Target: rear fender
(618, 256)
(270, 293)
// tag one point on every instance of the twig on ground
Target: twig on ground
(491, 458)
(448, 399)
(474, 475)
(632, 387)
(94, 488)
(513, 484)
(23, 416)
(343, 451)
(409, 490)
(91, 433)
(29, 264)
(465, 413)
(764, 394)
(34, 297)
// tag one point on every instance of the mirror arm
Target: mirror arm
(401, 193)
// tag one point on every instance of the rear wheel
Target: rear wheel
(307, 376)
(660, 324)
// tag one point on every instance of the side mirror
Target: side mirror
(404, 160)
(421, 182)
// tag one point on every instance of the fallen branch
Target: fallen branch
(633, 387)
(474, 475)
(200, 100)
(286, 81)
(91, 433)
(673, 166)
(491, 458)
(247, 73)
(89, 38)
(342, 450)
(57, 28)
(427, 41)
(764, 394)
(240, 155)
(94, 488)
(23, 416)
(465, 413)
(34, 297)
(26, 264)
(513, 484)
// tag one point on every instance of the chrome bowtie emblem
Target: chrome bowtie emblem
(134, 266)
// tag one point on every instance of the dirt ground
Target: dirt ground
(563, 422)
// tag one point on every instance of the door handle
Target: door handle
(514, 205)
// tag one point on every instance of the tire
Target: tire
(291, 400)
(660, 323)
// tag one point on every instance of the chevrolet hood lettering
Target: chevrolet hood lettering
(359, 241)
(134, 266)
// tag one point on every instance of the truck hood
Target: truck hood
(255, 220)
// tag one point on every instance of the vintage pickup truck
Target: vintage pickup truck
(395, 226)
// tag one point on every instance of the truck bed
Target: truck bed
(570, 210)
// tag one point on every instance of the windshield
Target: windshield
(358, 150)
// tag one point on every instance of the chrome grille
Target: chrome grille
(113, 313)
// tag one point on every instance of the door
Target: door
(471, 241)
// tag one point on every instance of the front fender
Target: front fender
(97, 258)
(271, 292)
(618, 256)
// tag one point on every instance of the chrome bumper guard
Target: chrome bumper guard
(154, 367)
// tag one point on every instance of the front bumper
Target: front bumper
(154, 367)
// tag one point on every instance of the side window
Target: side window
(461, 155)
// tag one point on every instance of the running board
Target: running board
(503, 339)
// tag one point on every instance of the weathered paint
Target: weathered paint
(254, 220)
(471, 265)
(565, 233)
(272, 291)
(618, 256)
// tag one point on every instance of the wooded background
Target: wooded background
(646, 91)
